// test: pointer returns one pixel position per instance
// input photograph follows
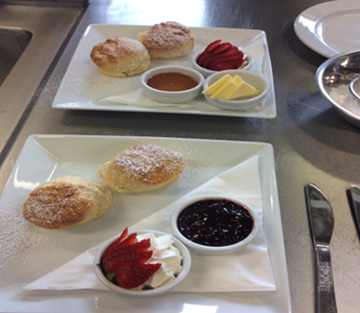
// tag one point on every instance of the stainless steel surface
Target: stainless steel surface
(336, 72)
(355, 196)
(312, 142)
(355, 87)
(321, 220)
(13, 42)
(49, 28)
(336, 78)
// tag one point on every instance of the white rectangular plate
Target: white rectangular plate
(83, 85)
(29, 252)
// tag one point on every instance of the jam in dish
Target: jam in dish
(215, 222)
(172, 82)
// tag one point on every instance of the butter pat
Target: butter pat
(227, 89)
(168, 255)
(237, 79)
(243, 90)
(217, 85)
(231, 88)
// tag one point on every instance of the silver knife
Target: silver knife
(321, 219)
(355, 195)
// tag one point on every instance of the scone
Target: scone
(65, 202)
(121, 56)
(142, 167)
(167, 40)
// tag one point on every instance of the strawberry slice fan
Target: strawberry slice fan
(126, 258)
(221, 56)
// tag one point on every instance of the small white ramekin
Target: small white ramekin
(214, 250)
(171, 96)
(207, 72)
(256, 80)
(186, 265)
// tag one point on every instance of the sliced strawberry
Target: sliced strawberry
(205, 63)
(122, 244)
(227, 65)
(110, 265)
(115, 243)
(128, 241)
(232, 50)
(232, 61)
(214, 51)
(212, 45)
(130, 276)
(208, 50)
(209, 58)
(138, 246)
(217, 51)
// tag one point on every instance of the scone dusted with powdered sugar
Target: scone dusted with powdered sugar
(142, 167)
(120, 56)
(66, 201)
(167, 40)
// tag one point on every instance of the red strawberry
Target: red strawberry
(207, 50)
(123, 235)
(126, 242)
(212, 45)
(232, 61)
(138, 246)
(112, 247)
(111, 265)
(205, 63)
(221, 48)
(130, 275)
(211, 58)
(232, 50)
(216, 51)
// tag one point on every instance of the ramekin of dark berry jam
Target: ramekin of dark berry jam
(215, 225)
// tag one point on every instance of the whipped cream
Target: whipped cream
(167, 254)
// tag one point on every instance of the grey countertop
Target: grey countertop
(50, 28)
(312, 143)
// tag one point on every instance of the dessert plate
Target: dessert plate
(29, 252)
(83, 86)
(331, 27)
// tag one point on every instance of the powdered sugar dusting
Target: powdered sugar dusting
(53, 205)
(149, 163)
(167, 36)
(29, 252)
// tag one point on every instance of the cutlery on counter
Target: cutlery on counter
(321, 219)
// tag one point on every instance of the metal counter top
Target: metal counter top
(50, 27)
(312, 143)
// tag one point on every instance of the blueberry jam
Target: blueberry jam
(215, 222)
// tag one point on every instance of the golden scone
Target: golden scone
(65, 202)
(167, 40)
(142, 167)
(120, 56)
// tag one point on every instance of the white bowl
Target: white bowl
(151, 292)
(214, 250)
(171, 96)
(207, 72)
(256, 80)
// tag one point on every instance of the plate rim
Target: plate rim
(309, 38)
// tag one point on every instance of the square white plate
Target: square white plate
(29, 252)
(83, 85)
